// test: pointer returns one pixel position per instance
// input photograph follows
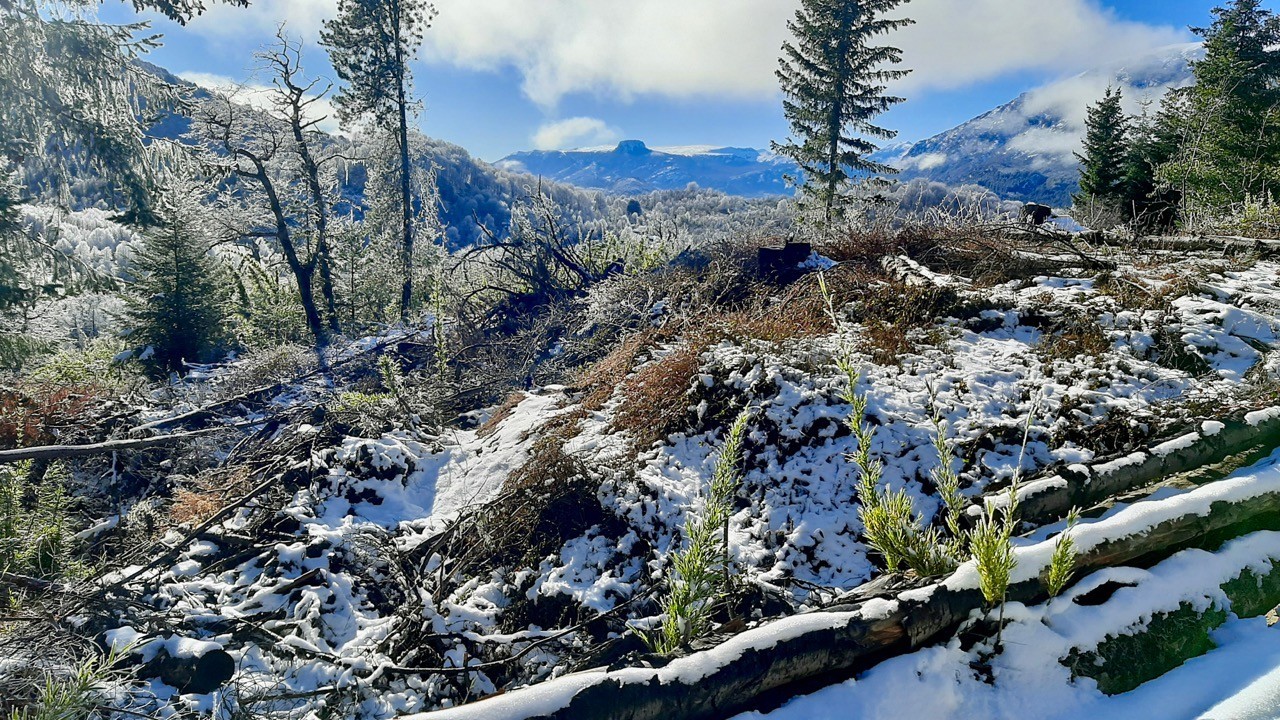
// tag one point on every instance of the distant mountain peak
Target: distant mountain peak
(632, 147)
(1024, 149)
(632, 167)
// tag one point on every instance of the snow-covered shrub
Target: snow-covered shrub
(1254, 218)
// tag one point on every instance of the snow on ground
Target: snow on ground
(1031, 683)
(797, 521)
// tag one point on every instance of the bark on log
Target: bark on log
(1210, 243)
(1049, 499)
(796, 654)
(62, 452)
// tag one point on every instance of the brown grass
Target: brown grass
(654, 399)
(211, 493)
(37, 413)
(192, 508)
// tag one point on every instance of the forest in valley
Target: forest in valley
(299, 422)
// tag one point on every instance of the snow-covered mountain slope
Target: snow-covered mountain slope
(1024, 149)
(632, 167)
(362, 562)
(1021, 150)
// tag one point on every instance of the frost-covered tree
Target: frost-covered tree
(177, 305)
(834, 84)
(1102, 161)
(75, 97)
(282, 182)
(371, 43)
(74, 101)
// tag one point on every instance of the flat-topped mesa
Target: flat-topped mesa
(632, 147)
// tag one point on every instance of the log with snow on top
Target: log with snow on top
(1051, 498)
(791, 655)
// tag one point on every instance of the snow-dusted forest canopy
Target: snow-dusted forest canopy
(305, 413)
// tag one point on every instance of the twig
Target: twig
(527, 649)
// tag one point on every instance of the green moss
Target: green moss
(1124, 662)
(1252, 594)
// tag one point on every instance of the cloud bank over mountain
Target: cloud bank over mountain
(624, 49)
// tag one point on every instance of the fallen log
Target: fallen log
(62, 452)
(1207, 243)
(203, 414)
(789, 656)
(1049, 499)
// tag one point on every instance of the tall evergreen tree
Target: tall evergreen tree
(1230, 132)
(371, 43)
(834, 85)
(1153, 141)
(178, 304)
(1102, 164)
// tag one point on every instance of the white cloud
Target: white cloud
(692, 48)
(574, 132)
(259, 96)
(927, 161)
(260, 20)
(1067, 102)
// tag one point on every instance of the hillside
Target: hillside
(1023, 150)
(523, 542)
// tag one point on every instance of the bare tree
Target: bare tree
(295, 99)
(256, 151)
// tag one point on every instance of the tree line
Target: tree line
(1208, 158)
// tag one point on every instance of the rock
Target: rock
(191, 666)
(1036, 214)
(783, 264)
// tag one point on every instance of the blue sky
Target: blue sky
(497, 76)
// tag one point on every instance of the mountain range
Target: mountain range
(1022, 150)
(633, 168)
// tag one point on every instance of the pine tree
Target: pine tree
(1102, 164)
(73, 101)
(76, 97)
(371, 43)
(1153, 141)
(178, 305)
(1229, 150)
(833, 82)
